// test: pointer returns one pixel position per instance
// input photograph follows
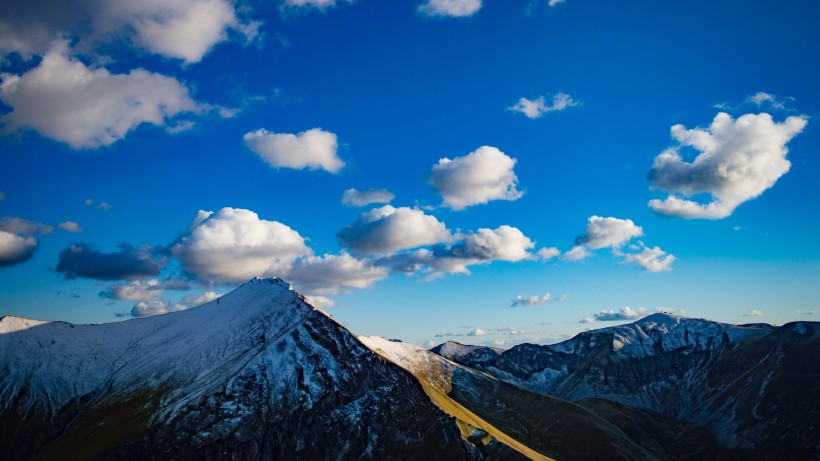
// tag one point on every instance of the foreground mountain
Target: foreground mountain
(257, 374)
(754, 387)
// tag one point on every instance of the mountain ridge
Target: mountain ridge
(257, 374)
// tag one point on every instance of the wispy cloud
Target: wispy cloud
(536, 108)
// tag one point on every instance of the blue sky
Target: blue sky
(265, 114)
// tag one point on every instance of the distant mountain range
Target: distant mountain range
(261, 374)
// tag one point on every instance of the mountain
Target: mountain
(256, 374)
(754, 387)
(546, 424)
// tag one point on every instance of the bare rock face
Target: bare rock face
(260, 374)
(754, 386)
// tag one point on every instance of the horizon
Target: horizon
(487, 171)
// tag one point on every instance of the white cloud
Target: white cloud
(483, 175)
(70, 226)
(84, 107)
(198, 300)
(522, 300)
(322, 302)
(555, 2)
(233, 245)
(15, 249)
(625, 313)
(476, 332)
(586, 320)
(353, 197)
(547, 253)
(536, 108)
(504, 243)
(577, 253)
(183, 29)
(138, 290)
(738, 160)
(761, 98)
(651, 259)
(105, 206)
(388, 229)
(608, 232)
(331, 274)
(313, 149)
(24, 226)
(318, 4)
(563, 298)
(498, 341)
(155, 307)
(798, 311)
(753, 313)
(453, 8)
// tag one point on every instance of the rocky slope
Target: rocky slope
(754, 387)
(258, 374)
(546, 424)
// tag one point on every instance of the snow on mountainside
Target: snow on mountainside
(258, 373)
(457, 351)
(706, 373)
(661, 333)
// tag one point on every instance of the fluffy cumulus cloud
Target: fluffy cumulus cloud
(353, 197)
(17, 241)
(388, 229)
(483, 175)
(70, 226)
(504, 243)
(476, 332)
(536, 108)
(576, 253)
(155, 307)
(651, 259)
(84, 260)
(144, 290)
(198, 300)
(608, 232)
(738, 160)
(547, 253)
(313, 149)
(753, 313)
(137, 290)
(624, 313)
(452, 8)
(533, 300)
(15, 249)
(152, 305)
(234, 245)
(614, 233)
(64, 100)
(181, 29)
(331, 274)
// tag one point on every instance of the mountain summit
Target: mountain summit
(256, 374)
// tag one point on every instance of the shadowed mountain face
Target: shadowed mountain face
(258, 375)
(753, 387)
(591, 430)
